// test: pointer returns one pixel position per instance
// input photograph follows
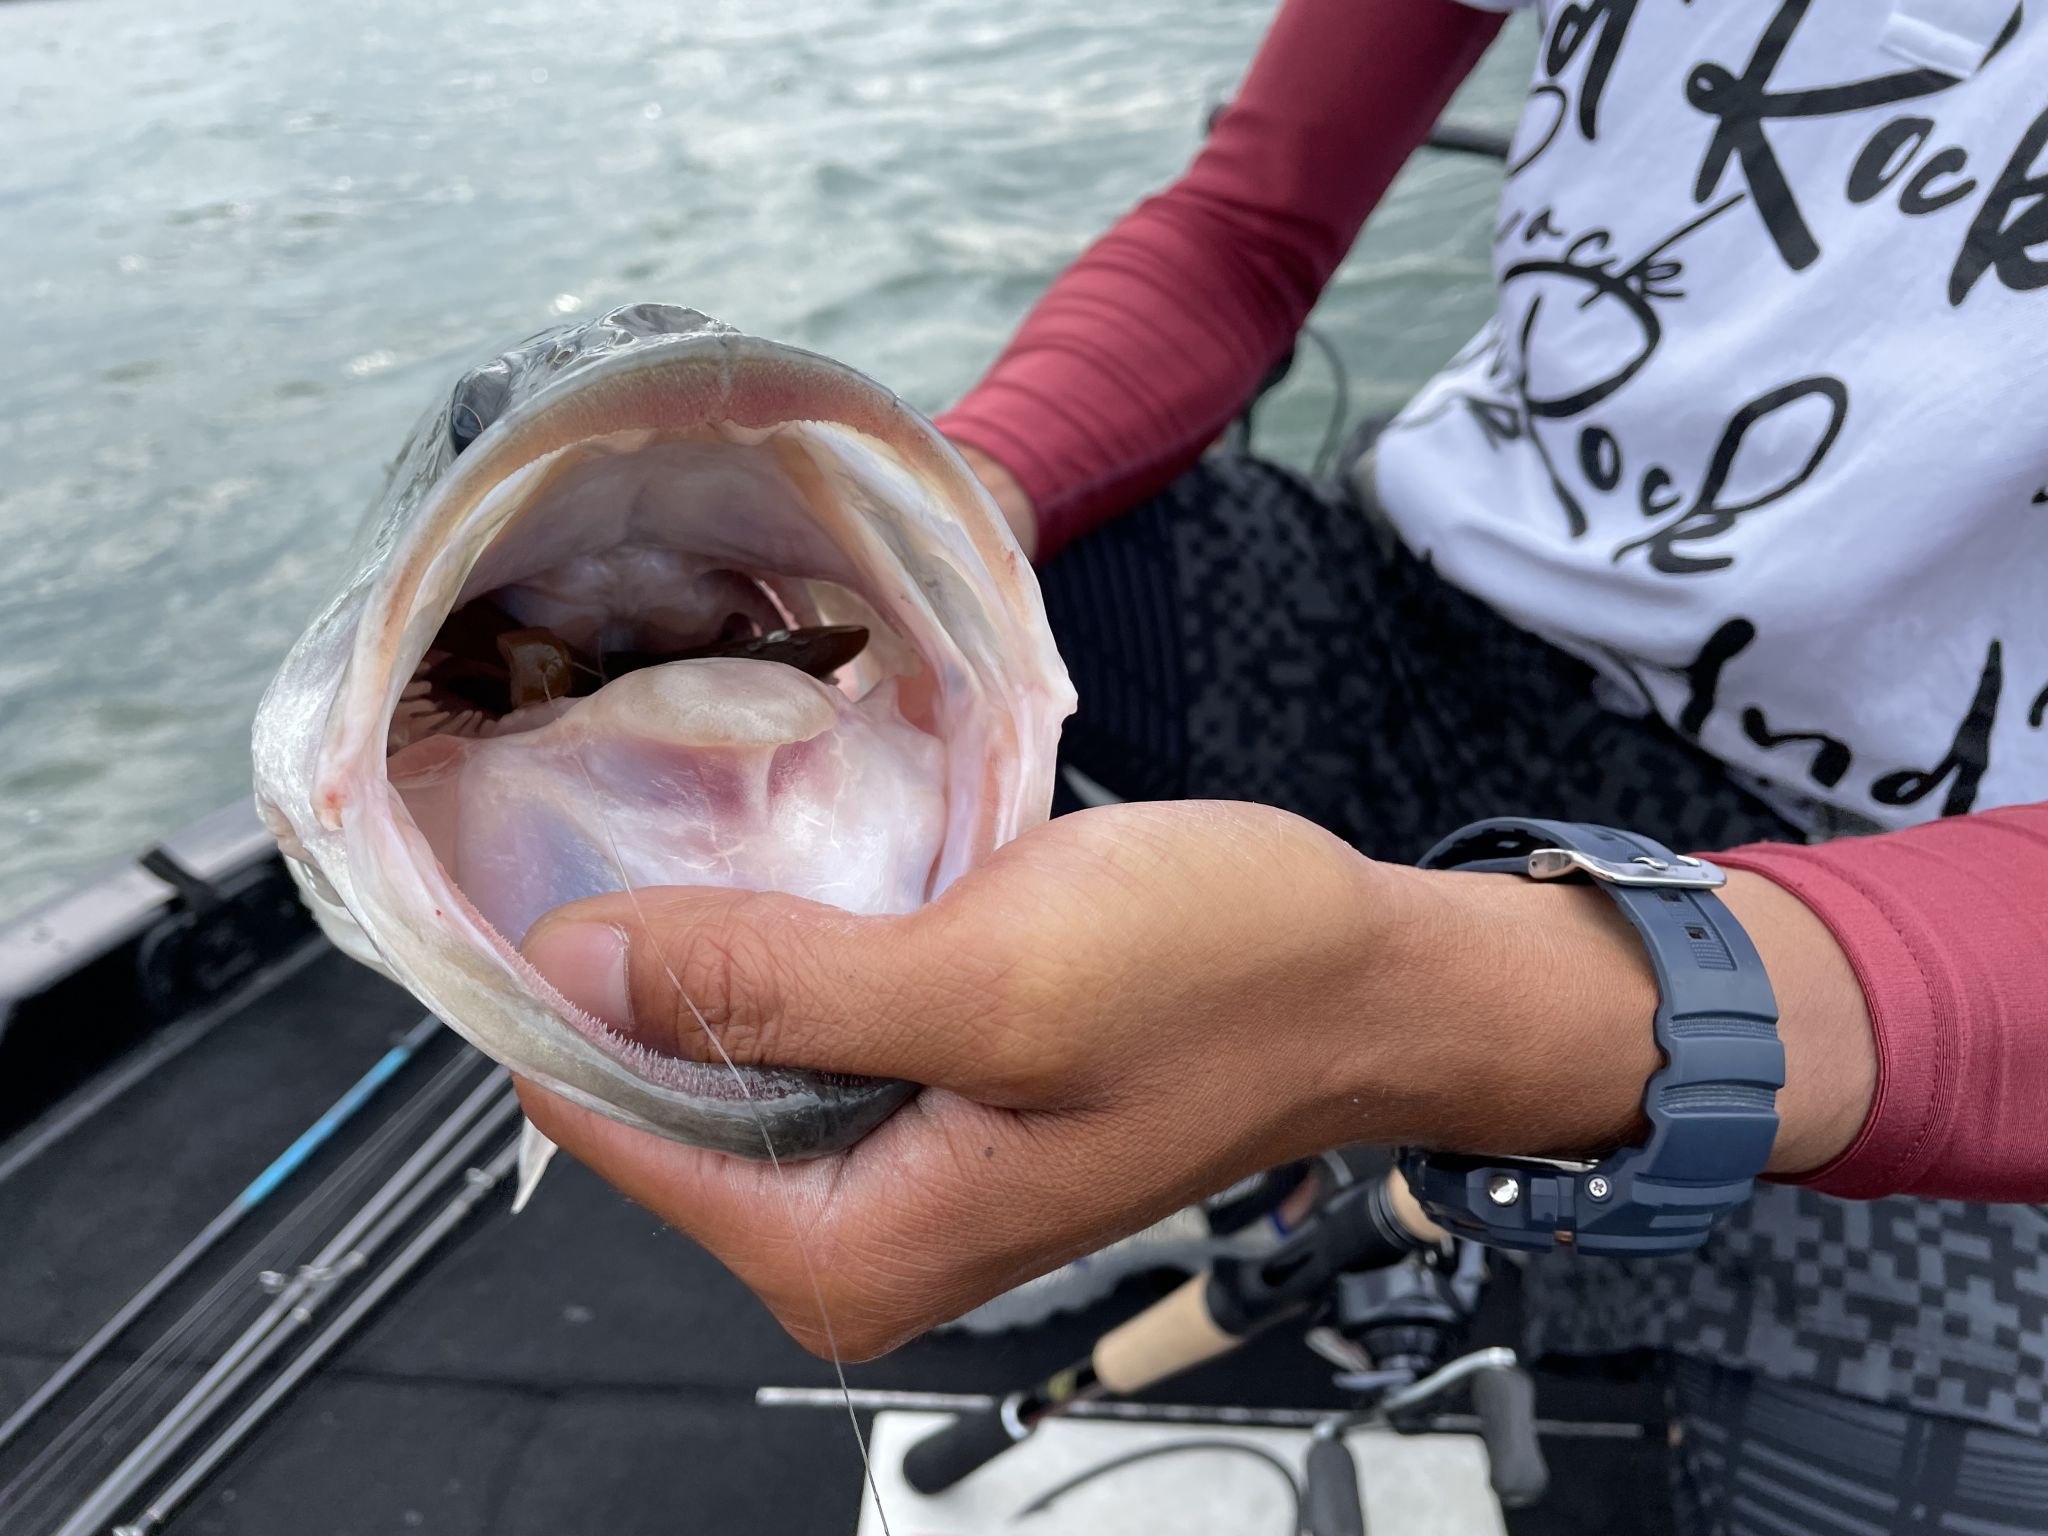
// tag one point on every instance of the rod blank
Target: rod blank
(260, 1188)
(395, 1201)
(479, 1183)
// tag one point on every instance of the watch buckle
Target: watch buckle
(1682, 871)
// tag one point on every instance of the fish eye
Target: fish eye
(464, 426)
(478, 401)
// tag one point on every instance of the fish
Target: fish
(648, 601)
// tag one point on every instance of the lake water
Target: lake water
(243, 242)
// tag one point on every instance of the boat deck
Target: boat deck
(578, 1369)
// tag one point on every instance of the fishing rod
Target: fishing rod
(259, 1189)
(1367, 1226)
(1373, 1258)
(478, 1183)
(395, 1202)
(136, 1392)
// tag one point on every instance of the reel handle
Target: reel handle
(1505, 1401)
(1330, 1501)
(949, 1453)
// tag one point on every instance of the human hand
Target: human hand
(1010, 497)
(1118, 1013)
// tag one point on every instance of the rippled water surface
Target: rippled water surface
(242, 242)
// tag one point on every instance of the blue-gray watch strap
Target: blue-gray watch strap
(1711, 1107)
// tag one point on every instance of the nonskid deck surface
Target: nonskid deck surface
(578, 1369)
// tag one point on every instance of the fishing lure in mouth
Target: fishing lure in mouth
(649, 602)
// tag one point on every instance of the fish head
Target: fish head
(649, 602)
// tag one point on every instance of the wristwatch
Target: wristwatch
(1712, 1106)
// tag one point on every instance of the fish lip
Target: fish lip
(847, 1111)
(816, 1113)
(814, 1117)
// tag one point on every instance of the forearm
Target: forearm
(1147, 346)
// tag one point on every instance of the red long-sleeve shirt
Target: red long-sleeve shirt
(1140, 354)
(1946, 927)
(1152, 342)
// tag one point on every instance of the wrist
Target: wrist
(1547, 998)
(1526, 1026)
(1824, 1021)
(1482, 1013)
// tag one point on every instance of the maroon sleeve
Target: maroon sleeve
(1147, 347)
(1946, 926)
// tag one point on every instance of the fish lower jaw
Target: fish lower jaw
(781, 1114)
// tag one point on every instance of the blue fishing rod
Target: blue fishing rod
(258, 1190)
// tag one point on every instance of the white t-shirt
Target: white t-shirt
(1761, 427)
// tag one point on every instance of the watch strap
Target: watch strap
(1711, 1107)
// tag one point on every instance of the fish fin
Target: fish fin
(535, 1152)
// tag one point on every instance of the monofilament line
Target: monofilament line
(867, 1466)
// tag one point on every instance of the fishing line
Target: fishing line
(145, 1384)
(796, 1230)
(1340, 404)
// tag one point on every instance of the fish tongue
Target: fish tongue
(716, 703)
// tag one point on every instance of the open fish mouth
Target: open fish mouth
(657, 604)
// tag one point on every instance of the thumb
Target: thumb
(705, 973)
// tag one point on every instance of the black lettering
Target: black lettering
(1742, 104)
(1498, 421)
(1704, 672)
(1707, 518)
(1633, 289)
(1600, 458)
(2012, 27)
(1885, 158)
(2040, 709)
(1574, 514)
(1968, 755)
(1554, 94)
(1919, 196)
(1608, 19)
(1830, 761)
(1657, 495)
(2000, 237)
